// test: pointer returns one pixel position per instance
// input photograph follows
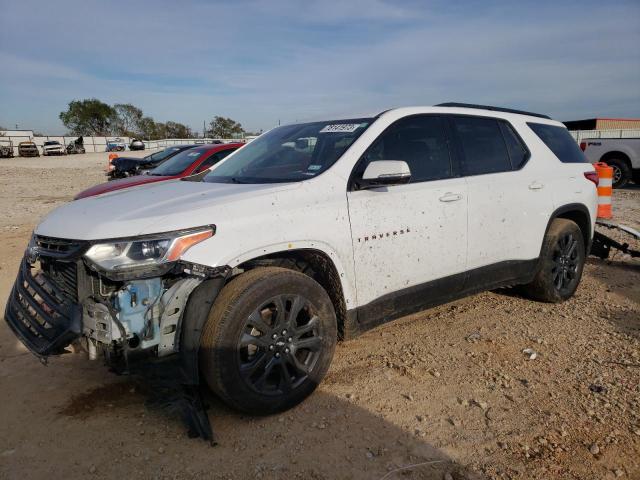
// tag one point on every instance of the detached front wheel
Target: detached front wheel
(269, 340)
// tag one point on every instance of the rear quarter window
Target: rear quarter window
(560, 142)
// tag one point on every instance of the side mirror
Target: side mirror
(384, 173)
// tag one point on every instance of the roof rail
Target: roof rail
(488, 107)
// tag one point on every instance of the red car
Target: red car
(186, 163)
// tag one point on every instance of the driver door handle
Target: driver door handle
(450, 197)
(535, 186)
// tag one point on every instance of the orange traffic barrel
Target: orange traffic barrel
(112, 157)
(605, 189)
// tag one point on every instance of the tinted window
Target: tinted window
(178, 163)
(421, 141)
(560, 142)
(484, 149)
(213, 159)
(517, 151)
(162, 154)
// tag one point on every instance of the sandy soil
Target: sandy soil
(447, 393)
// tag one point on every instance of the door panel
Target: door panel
(405, 235)
(408, 235)
(509, 203)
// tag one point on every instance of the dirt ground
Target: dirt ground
(448, 393)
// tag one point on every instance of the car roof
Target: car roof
(213, 147)
(471, 110)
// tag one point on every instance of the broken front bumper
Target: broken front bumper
(42, 313)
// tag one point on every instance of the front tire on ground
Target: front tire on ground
(561, 263)
(269, 340)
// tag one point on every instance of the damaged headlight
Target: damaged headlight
(144, 254)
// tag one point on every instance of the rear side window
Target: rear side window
(560, 142)
(517, 151)
(484, 150)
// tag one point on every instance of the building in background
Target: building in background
(16, 133)
(603, 124)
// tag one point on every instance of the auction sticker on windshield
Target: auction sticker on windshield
(340, 128)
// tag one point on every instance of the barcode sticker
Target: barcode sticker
(340, 128)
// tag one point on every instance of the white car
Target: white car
(311, 233)
(52, 147)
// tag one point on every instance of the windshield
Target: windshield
(162, 154)
(178, 163)
(291, 153)
(51, 143)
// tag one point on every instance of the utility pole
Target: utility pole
(204, 128)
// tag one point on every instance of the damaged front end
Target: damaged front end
(122, 300)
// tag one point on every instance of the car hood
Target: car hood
(151, 208)
(120, 184)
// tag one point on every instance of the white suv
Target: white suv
(311, 233)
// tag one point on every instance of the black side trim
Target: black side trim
(437, 292)
(493, 109)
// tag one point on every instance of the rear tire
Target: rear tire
(621, 172)
(269, 340)
(561, 263)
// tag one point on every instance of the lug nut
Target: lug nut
(270, 347)
(286, 350)
(274, 336)
(277, 355)
(284, 332)
(290, 339)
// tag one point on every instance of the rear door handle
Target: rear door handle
(450, 197)
(535, 186)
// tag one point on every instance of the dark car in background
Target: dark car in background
(129, 166)
(184, 164)
(136, 144)
(28, 149)
(76, 146)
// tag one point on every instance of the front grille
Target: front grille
(41, 312)
(63, 275)
(57, 247)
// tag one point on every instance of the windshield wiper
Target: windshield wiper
(236, 180)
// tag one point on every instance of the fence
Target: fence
(618, 133)
(99, 144)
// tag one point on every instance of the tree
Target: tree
(89, 117)
(147, 128)
(177, 130)
(221, 127)
(127, 119)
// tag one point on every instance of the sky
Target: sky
(265, 62)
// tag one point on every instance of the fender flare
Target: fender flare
(571, 207)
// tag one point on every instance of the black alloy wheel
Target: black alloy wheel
(566, 262)
(280, 344)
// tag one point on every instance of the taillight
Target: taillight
(583, 146)
(592, 176)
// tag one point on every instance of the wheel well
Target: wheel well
(317, 265)
(617, 155)
(583, 221)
